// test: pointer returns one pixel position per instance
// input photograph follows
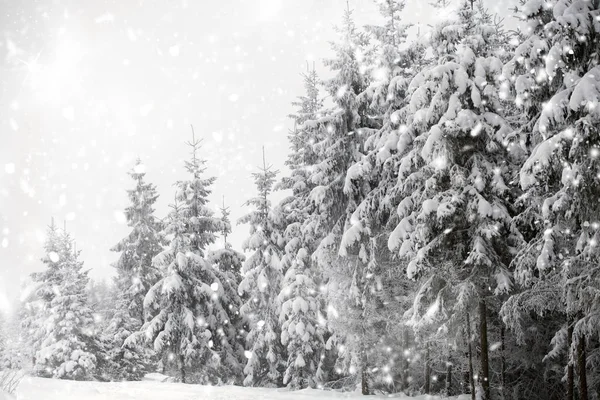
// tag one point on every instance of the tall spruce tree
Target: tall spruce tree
(135, 276)
(303, 325)
(228, 264)
(135, 273)
(67, 337)
(340, 145)
(454, 205)
(261, 286)
(40, 291)
(188, 305)
(371, 181)
(556, 77)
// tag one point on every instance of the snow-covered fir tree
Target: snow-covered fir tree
(555, 80)
(228, 264)
(339, 145)
(453, 202)
(135, 276)
(40, 291)
(371, 181)
(261, 285)
(66, 329)
(188, 305)
(226, 259)
(303, 324)
(135, 273)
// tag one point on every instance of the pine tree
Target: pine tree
(454, 205)
(135, 273)
(188, 307)
(228, 265)
(68, 325)
(340, 145)
(303, 325)
(261, 286)
(390, 61)
(370, 181)
(135, 276)
(42, 289)
(555, 77)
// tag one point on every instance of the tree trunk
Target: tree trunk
(570, 372)
(364, 376)
(365, 383)
(466, 382)
(402, 358)
(502, 361)
(485, 365)
(182, 368)
(404, 363)
(427, 370)
(449, 377)
(470, 352)
(581, 370)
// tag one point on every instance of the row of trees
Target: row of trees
(442, 213)
(439, 232)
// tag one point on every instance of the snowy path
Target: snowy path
(51, 389)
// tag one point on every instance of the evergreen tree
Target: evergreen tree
(301, 317)
(135, 276)
(68, 325)
(228, 265)
(370, 182)
(302, 324)
(41, 290)
(261, 286)
(188, 307)
(340, 145)
(454, 205)
(135, 273)
(555, 77)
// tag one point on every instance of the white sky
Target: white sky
(85, 89)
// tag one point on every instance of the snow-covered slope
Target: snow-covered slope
(53, 389)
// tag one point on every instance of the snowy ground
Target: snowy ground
(53, 389)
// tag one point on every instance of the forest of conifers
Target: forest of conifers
(439, 231)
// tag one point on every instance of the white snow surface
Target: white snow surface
(55, 389)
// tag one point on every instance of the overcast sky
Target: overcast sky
(86, 87)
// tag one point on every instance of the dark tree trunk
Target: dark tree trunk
(449, 378)
(427, 370)
(404, 363)
(581, 370)
(503, 361)
(485, 365)
(364, 374)
(470, 353)
(466, 381)
(570, 372)
(365, 383)
(182, 368)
